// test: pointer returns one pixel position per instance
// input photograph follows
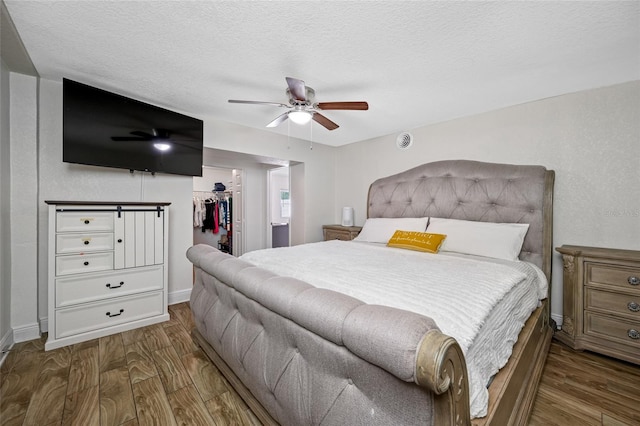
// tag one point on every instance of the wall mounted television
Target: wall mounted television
(101, 128)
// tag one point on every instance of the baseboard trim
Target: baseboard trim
(558, 319)
(179, 296)
(6, 343)
(25, 333)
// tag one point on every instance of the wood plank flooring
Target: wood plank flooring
(156, 375)
(584, 388)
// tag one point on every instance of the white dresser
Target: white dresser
(107, 268)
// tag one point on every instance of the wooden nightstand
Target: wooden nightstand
(601, 289)
(339, 232)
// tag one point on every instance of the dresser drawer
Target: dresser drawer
(612, 328)
(614, 303)
(84, 221)
(93, 316)
(83, 242)
(82, 289)
(82, 263)
(613, 275)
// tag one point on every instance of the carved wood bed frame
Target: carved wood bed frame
(440, 365)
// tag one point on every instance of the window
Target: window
(285, 203)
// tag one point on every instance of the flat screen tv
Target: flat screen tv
(101, 128)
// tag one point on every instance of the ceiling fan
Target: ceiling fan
(302, 107)
(161, 138)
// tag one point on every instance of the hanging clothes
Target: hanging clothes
(208, 220)
(216, 218)
(198, 212)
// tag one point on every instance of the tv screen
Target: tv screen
(101, 128)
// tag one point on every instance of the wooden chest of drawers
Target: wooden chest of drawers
(339, 232)
(601, 306)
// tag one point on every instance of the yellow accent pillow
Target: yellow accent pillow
(420, 241)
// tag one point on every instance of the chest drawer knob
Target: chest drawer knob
(633, 280)
(86, 242)
(86, 263)
(633, 307)
(87, 221)
(634, 334)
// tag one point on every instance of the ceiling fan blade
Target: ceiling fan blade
(297, 88)
(324, 121)
(343, 105)
(129, 139)
(236, 101)
(281, 118)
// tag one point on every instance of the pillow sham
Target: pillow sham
(419, 241)
(380, 230)
(488, 239)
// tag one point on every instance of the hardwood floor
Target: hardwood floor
(156, 375)
(584, 388)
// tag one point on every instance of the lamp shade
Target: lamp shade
(347, 216)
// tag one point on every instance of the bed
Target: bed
(299, 353)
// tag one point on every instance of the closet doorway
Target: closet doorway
(217, 209)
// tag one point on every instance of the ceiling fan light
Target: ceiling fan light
(300, 117)
(162, 146)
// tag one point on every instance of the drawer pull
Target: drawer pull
(86, 242)
(122, 310)
(633, 307)
(633, 280)
(119, 240)
(87, 221)
(634, 334)
(110, 287)
(86, 263)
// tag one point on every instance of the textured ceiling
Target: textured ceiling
(416, 63)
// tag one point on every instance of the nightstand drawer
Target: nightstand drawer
(93, 316)
(613, 275)
(81, 263)
(330, 234)
(84, 221)
(82, 289)
(613, 303)
(620, 330)
(75, 243)
(339, 232)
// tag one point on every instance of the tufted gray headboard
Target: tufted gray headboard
(473, 190)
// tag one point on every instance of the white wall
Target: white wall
(591, 139)
(24, 206)
(6, 335)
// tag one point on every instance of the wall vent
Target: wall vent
(404, 140)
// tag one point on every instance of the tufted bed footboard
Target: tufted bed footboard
(300, 355)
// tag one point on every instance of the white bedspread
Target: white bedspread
(480, 302)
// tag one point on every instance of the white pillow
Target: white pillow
(380, 230)
(497, 240)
